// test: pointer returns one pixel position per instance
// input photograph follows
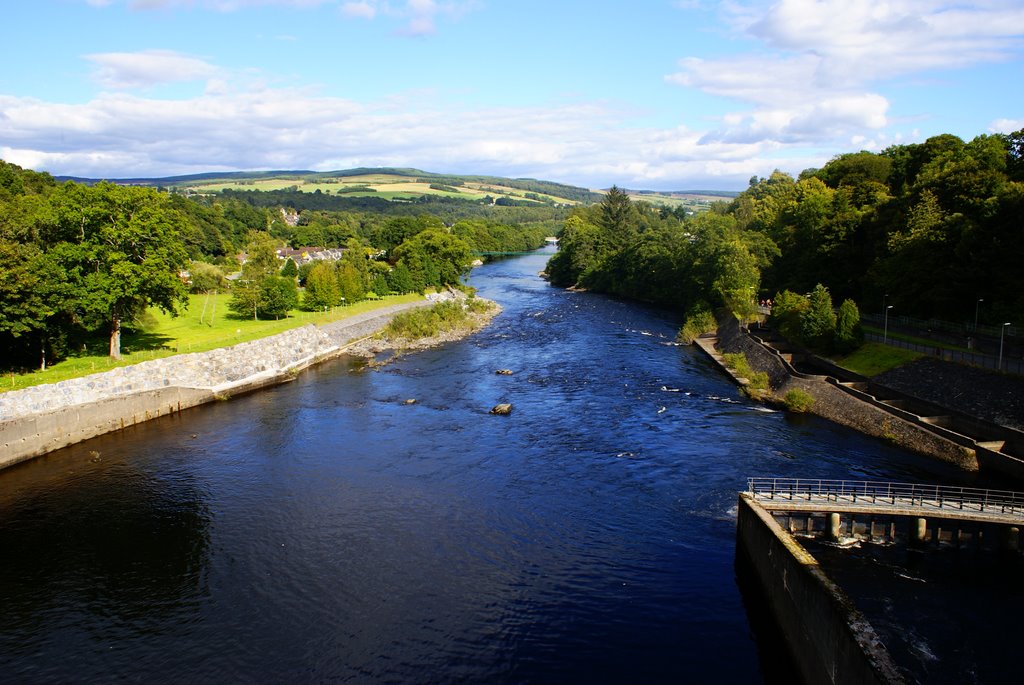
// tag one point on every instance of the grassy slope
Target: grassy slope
(166, 336)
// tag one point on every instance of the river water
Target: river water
(325, 530)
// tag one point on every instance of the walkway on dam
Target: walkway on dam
(901, 499)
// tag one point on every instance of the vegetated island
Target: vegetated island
(454, 318)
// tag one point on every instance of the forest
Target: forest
(80, 262)
(933, 229)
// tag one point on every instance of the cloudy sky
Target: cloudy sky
(656, 94)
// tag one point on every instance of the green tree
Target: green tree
(321, 287)
(400, 280)
(849, 335)
(350, 282)
(205, 277)
(818, 321)
(437, 256)
(290, 270)
(261, 263)
(278, 296)
(122, 250)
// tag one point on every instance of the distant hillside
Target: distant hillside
(385, 183)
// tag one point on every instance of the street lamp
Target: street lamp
(1002, 330)
(885, 331)
(976, 305)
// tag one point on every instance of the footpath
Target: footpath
(40, 419)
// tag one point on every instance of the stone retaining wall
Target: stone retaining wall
(40, 419)
(837, 405)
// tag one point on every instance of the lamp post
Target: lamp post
(976, 306)
(1002, 329)
(885, 331)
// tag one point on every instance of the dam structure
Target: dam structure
(828, 637)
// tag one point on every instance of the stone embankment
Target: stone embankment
(848, 404)
(43, 418)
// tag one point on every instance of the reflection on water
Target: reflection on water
(327, 530)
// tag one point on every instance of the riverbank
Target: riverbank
(43, 418)
(982, 437)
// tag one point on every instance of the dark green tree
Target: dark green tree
(278, 296)
(818, 321)
(122, 250)
(321, 287)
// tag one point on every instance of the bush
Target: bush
(798, 401)
(757, 380)
(697, 324)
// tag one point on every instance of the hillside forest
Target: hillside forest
(932, 229)
(81, 262)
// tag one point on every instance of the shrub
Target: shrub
(757, 380)
(697, 324)
(798, 401)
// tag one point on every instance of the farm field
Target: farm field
(386, 186)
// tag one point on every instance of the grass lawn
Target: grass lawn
(206, 324)
(874, 358)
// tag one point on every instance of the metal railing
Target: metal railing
(887, 494)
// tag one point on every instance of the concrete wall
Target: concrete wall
(830, 641)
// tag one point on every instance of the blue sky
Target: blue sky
(653, 94)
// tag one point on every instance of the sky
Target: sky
(645, 94)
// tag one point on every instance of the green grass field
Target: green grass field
(874, 358)
(206, 324)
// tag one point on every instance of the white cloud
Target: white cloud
(812, 81)
(125, 70)
(1006, 125)
(120, 134)
(359, 10)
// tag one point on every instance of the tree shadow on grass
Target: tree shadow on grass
(141, 341)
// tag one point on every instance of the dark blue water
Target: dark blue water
(326, 531)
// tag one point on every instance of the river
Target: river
(326, 530)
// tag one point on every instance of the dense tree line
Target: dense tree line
(80, 263)
(933, 226)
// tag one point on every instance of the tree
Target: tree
(261, 263)
(290, 270)
(849, 335)
(617, 216)
(400, 280)
(350, 282)
(321, 287)
(818, 322)
(437, 256)
(278, 296)
(205, 277)
(122, 250)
